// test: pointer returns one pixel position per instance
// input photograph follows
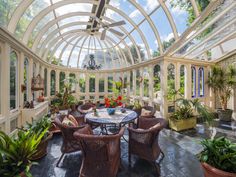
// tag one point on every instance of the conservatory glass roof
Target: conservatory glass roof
(119, 33)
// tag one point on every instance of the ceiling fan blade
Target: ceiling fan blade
(116, 32)
(117, 23)
(103, 35)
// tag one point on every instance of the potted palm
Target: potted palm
(223, 81)
(16, 153)
(218, 158)
(183, 118)
(41, 127)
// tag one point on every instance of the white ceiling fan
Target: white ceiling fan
(109, 27)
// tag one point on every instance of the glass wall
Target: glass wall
(45, 81)
(110, 83)
(156, 80)
(138, 81)
(13, 80)
(62, 78)
(182, 80)
(82, 83)
(101, 85)
(26, 78)
(53, 83)
(170, 80)
(92, 83)
(146, 82)
(193, 82)
(72, 81)
(201, 82)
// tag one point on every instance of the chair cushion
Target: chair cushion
(146, 113)
(70, 121)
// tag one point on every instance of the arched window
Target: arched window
(156, 79)
(193, 83)
(170, 79)
(72, 80)
(45, 81)
(138, 81)
(92, 83)
(53, 82)
(82, 83)
(131, 83)
(146, 82)
(101, 84)
(62, 78)
(13, 80)
(110, 83)
(182, 79)
(201, 82)
(26, 78)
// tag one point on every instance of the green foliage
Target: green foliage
(219, 153)
(183, 112)
(40, 126)
(16, 152)
(134, 53)
(222, 81)
(137, 105)
(187, 6)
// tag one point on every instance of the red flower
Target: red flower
(119, 98)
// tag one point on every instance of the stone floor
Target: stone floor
(180, 155)
(180, 159)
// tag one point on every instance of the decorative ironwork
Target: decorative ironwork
(92, 64)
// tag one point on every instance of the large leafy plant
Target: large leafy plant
(40, 126)
(219, 153)
(16, 152)
(222, 81)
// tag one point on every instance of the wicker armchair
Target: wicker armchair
(143, 141)
(101, 154)
(70, 144)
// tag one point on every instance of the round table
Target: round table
(103, 119)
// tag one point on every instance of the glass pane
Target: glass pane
(61, 80)
(157, 80)
(171, 81)
(53, 83)
(182, 79)
(26, 78)
(82, 83)
(92, 83)
(45, 81)
(110, 83)
(146, 82)
(101, 85)
(13, 80)
(138, 82)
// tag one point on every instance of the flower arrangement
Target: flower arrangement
(112, 103)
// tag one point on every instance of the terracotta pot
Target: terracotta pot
(210, 171)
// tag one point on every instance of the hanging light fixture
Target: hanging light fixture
(92, 64)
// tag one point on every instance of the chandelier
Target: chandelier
(92, 64)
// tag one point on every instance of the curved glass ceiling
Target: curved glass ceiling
(67, 32)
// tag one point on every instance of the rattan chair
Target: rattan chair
(101, 154)
(149, 108)
(143, 141)
(70, 144)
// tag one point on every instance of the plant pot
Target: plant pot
(210, 171)
(111, 111)
(42, 147)
(225, 115)
(184, 124)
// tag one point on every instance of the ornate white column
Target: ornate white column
(96, 86)
(57, 80)
(188, 82)
(151, 89)
(164, 104)
(5, 85)
(49, 83)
